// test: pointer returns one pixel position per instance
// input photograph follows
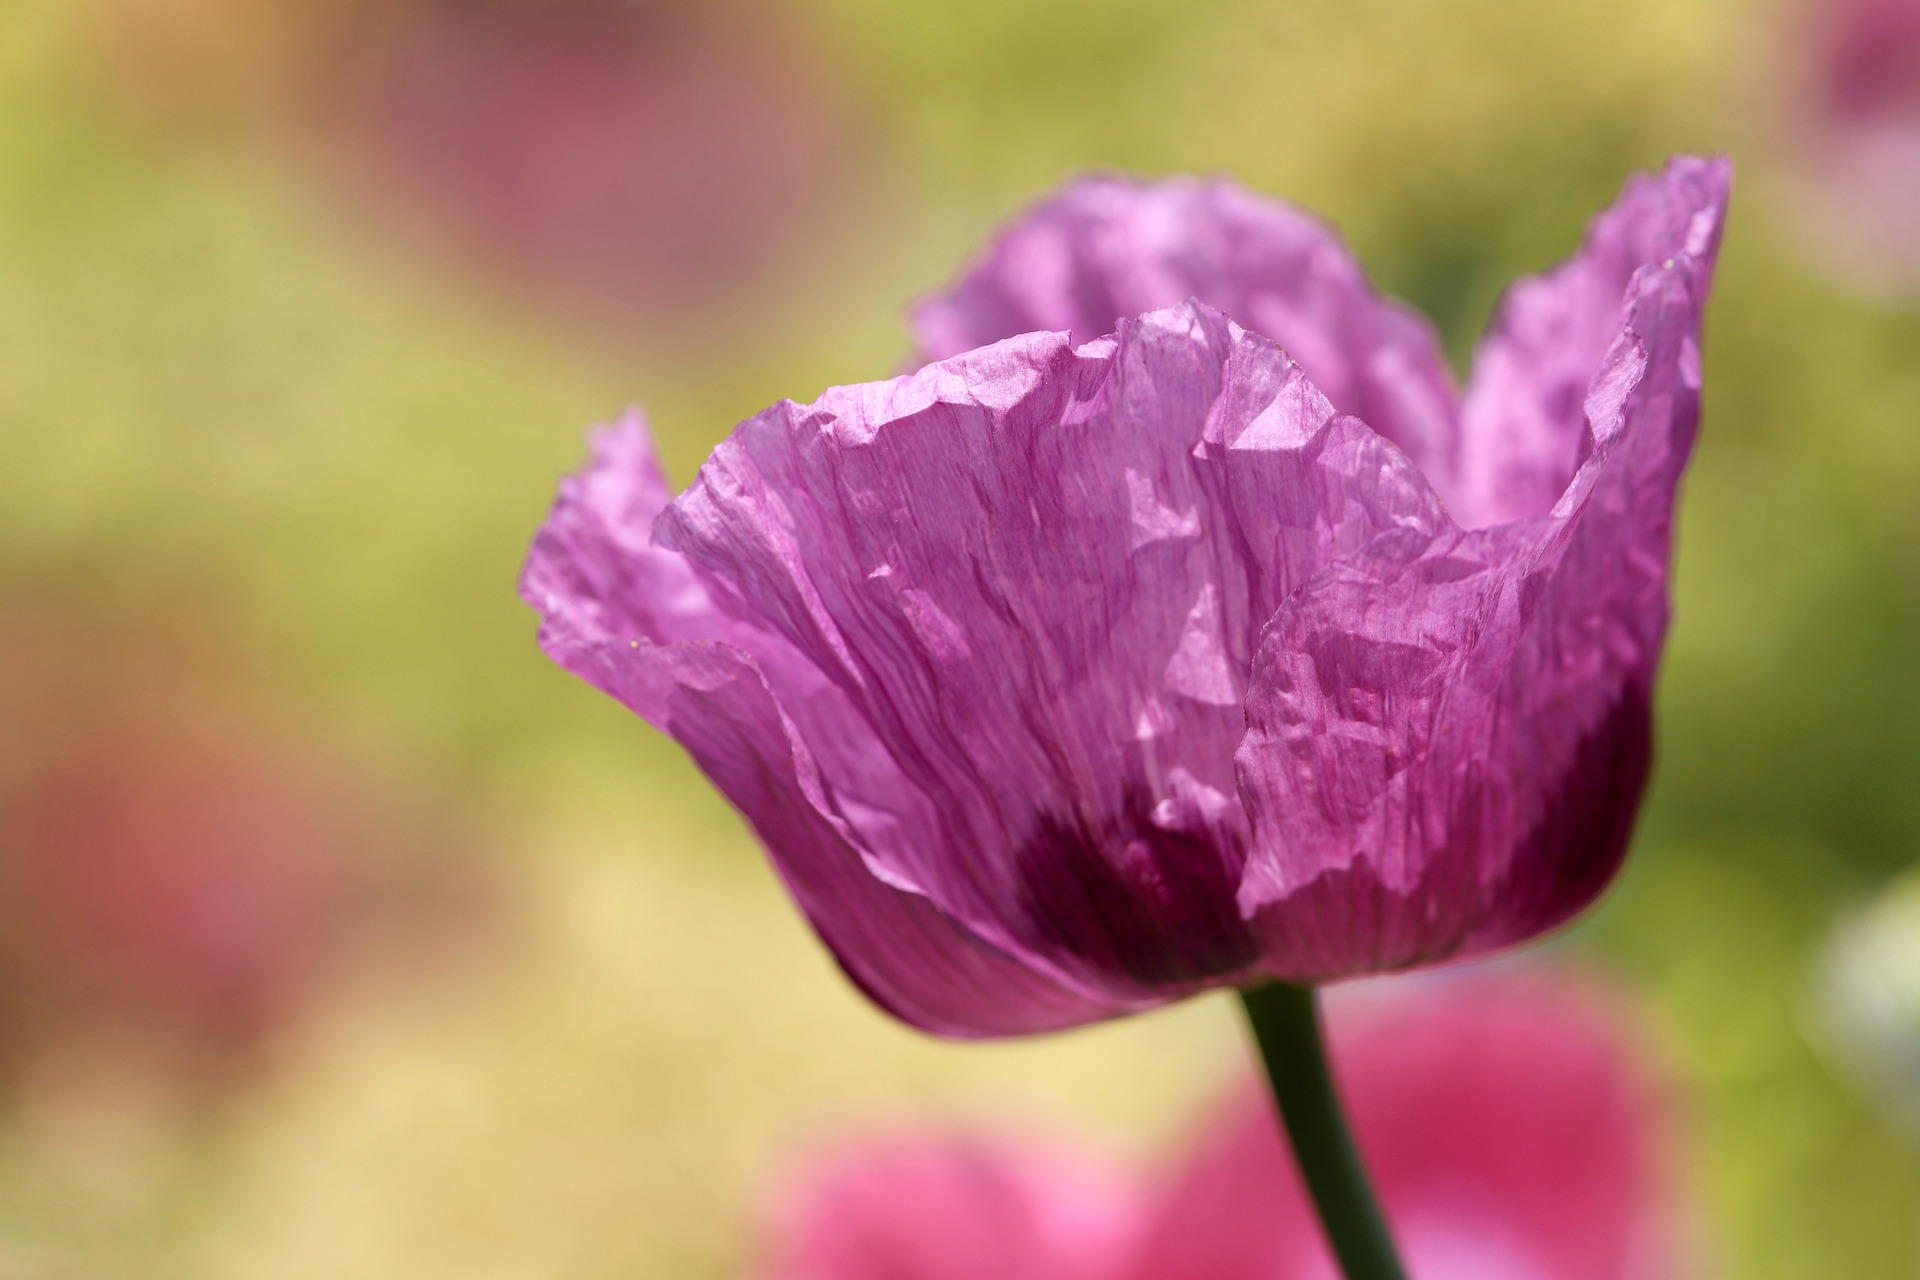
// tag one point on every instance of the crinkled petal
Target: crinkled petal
(1448, 736)
(1522, 432)
(593, 573)
(1508, 1128)
(1037, 571)
(1108, 248)
(632, 620)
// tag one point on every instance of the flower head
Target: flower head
(1513, 1132)
(1070, 675)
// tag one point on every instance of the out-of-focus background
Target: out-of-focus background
(343, 935)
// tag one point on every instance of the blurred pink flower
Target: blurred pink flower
(1513, 1133)
(632, 162)
(183, 867)
(1858, 138)
(189, 881)
(1065, 680)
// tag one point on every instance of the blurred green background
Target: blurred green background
(460, 970)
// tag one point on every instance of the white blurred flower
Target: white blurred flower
(1868, 986)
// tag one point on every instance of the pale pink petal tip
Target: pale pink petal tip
(935, 1206)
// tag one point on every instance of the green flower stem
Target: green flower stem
(1286, 1025)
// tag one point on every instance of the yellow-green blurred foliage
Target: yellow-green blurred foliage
(225, 377)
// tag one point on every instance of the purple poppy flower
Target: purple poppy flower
(1073, 674)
